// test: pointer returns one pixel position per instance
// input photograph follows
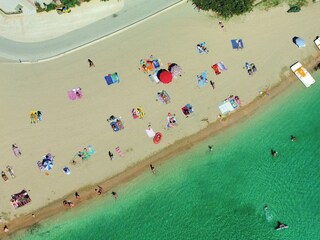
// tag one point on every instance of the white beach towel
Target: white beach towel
(150, 132)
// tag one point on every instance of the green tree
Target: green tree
(71, 3)
(225, 8)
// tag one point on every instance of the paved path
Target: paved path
(132, 12)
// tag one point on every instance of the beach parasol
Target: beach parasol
(175, 69)
(164, 76)
(299, 42)
(47, 164)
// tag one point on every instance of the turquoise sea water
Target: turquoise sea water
(219, 194)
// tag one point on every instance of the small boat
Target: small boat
(302, 73)
(280, 226)
(157, 138)
(317, 42)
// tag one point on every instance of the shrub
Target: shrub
(225, 8)
(294, 9)
(50, 7)
(70, 3)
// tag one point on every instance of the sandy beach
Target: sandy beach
(69, 126)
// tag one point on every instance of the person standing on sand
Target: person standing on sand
(5, 228)
(212, 84)
(77, 195)
(110, 155)
(91, 64)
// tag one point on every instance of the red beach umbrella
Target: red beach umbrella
(164, 76)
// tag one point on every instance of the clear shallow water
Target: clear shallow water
(219, 195)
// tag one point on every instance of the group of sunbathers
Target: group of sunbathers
(35, 116)
(251, 68)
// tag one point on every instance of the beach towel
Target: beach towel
(153, 77)
(66, 170)
(164, 97)
(91, 150)
(218, 68)
(150, 132)
(222, 67)
(202, 79)
(112, 78)
(187, 109)
(237, 43)
(202, 48)
(118, 150)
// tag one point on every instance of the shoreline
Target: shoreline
(87, 192)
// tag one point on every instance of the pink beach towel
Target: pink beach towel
(75, 94)
(118, 150)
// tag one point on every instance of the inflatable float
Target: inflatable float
(157, 138)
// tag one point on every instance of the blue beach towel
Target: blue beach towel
(237, 43)
(112, 78)
(202, 79)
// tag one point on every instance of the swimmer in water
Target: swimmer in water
(210, 148)
(293, 138)
(115, 195)
(274, 153)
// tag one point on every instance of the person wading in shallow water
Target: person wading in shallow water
(152, 169)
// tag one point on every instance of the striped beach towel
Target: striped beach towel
(118, 150)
